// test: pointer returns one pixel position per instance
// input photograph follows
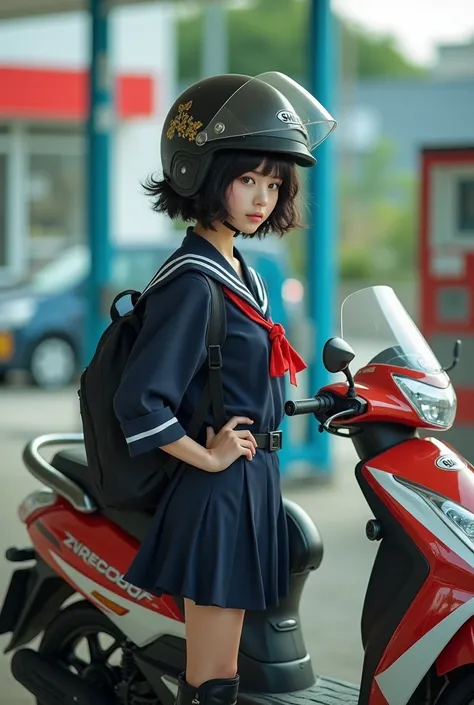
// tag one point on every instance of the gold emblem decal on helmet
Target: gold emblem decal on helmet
(183, 124)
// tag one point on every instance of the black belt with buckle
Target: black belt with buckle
(273, 440)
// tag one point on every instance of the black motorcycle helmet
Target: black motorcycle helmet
(268, 113)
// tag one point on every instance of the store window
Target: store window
(465, 208)
(56, 198)
(3, 210)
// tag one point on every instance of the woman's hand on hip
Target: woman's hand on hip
(228, 445)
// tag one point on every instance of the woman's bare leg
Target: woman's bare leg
(212, 642)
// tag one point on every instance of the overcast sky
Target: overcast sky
(418, 24)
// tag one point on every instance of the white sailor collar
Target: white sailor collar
(198, 254)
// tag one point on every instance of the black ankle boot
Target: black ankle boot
(218, 691)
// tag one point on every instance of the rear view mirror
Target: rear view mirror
(337, 355)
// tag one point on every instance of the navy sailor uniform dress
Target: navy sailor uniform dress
(216, 538)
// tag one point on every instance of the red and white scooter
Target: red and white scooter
(107, 642)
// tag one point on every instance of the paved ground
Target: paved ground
(332, 602)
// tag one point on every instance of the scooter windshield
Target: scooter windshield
(380, 331)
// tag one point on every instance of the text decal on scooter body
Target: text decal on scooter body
(102, 567)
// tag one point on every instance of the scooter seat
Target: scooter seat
(306, 547)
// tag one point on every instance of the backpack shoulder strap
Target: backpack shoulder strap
(212, 395)
(216, 335)
(134, 296)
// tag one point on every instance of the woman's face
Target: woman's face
(251, 199)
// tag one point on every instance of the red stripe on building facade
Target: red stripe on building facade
(58, 94)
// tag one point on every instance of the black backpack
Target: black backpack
(136, 483)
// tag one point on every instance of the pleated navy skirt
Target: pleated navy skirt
(219, 538)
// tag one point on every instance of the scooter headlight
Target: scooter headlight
(462, 518)
(459, 519)
(433, 405)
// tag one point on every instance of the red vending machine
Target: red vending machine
(447, 273)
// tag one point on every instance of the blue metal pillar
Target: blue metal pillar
(99, 129)
(322, 234)
(214, 40)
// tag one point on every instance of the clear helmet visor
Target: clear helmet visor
(272, 104)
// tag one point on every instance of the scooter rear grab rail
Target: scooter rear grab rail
(53, 478)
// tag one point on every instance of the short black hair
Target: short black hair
(209, 204)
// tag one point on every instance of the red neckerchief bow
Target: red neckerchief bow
(283, 357)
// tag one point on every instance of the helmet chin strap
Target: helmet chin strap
(231, 227)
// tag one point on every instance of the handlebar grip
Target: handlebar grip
(321, 402)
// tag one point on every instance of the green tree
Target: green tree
(271, 35)
(378, 219)
(368, 55)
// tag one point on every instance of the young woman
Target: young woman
(230, 146)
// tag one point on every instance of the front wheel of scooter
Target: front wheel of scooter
(460, 691)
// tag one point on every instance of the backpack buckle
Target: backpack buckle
(215, 357)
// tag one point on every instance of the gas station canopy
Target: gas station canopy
(10, 9)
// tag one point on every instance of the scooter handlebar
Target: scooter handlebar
(321, 402)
